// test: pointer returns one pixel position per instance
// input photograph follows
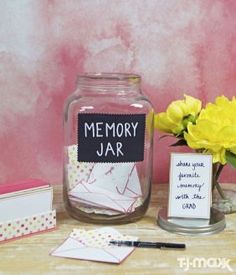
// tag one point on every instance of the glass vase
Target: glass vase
(223, 199)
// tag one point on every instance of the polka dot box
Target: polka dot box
(28, 225)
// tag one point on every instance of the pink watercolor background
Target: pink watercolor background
(177, 46)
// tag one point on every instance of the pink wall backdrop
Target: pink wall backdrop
(177, 46)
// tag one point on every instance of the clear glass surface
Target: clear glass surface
(100, 192)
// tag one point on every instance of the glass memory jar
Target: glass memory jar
(108, 128)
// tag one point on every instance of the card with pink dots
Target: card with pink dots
(94, 245)
(25, 209)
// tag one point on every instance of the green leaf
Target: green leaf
(180, 142)
(230, 158)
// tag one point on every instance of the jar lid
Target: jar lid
(185, 226)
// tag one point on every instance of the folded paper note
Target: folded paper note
(99, 197)
(94, 245)
(111, 186)
(25, 208)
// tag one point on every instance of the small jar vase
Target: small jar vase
(108, 126)
(223, 200)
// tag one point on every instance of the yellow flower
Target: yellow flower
(215, 129)
(177, 115)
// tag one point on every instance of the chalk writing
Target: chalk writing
(101, 129)
(111, 137)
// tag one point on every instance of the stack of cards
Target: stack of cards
(108, 188)
(25, 208)
(94, 245)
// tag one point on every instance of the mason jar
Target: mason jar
(108, 127)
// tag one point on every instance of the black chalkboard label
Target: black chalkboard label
(111, 137)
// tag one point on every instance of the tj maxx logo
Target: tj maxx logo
(188, 263)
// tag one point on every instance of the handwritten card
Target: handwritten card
(190, 186)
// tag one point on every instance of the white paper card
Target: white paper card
(113, 186)
(94, 245)
(190, 185)
(17, 205)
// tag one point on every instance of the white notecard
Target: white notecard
(190, 185)
(25, 203)
(94, 245)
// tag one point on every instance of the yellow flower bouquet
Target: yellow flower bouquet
(207, 130)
